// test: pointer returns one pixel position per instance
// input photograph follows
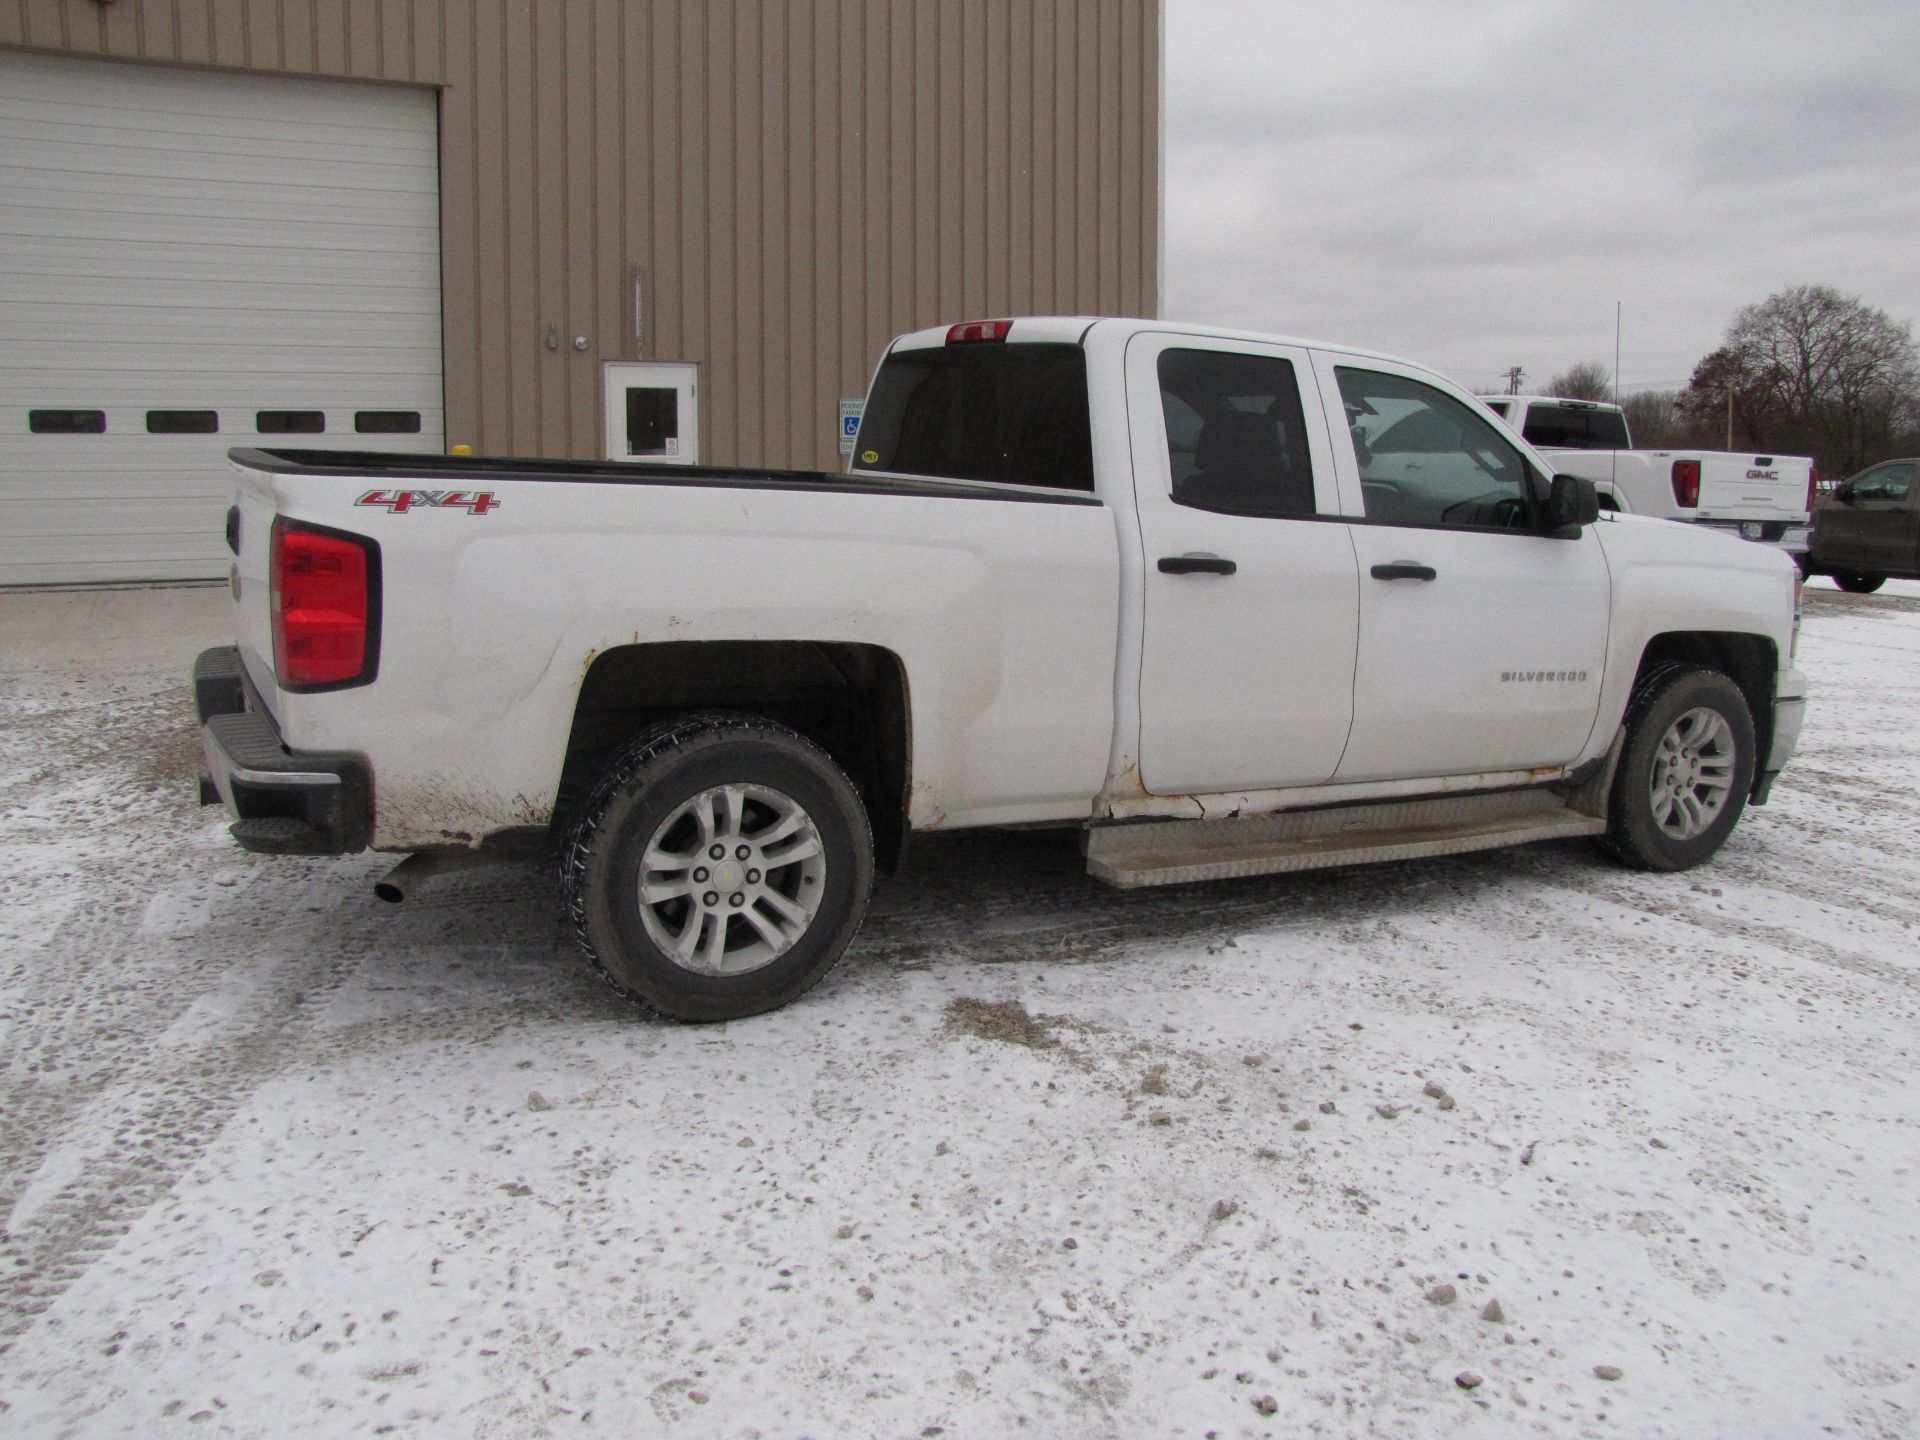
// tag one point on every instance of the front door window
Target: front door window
(1428, 459)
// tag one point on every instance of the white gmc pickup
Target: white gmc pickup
(1157, 582)
(1758, 497)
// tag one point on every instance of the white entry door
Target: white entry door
(653, 412)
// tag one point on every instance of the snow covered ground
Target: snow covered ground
(1039, 1158)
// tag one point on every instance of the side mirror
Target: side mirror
(1571, 503)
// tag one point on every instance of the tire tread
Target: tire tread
(628, 767)
(1649, 691)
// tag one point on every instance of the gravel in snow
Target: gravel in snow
(282, 1161)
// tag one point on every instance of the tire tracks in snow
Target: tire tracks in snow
(127, 1143)
(130, 1050)
(1778, 938)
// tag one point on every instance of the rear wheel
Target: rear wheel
(719, 868)
(1684, 775)
(1856, 582)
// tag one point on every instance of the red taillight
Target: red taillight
(323, 615)
(1686, 483)
(1813, 487)
(972, 332)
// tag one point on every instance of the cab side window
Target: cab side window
(1889, 482)
(1236, 437)
(1427, 459)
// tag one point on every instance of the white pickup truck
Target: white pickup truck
(1155, 582)
(1759, 497)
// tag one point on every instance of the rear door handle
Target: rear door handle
(1402, 570)
(1196, 565)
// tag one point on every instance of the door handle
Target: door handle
(1196, 565)
(1405, 570)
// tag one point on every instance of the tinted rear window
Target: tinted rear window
(1012, 413)
(1576, 429)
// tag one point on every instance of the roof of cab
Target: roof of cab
(1075, 330)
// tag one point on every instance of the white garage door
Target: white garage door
(192, 261)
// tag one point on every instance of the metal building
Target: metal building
(660, 230)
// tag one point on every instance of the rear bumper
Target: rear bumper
(283, 802)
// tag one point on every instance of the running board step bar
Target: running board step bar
(1132, 855)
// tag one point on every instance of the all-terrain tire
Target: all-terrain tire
(719, 867)
(1857, 582)
(1685, 771)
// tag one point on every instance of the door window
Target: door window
(1236, 436)
(1889, 482)
(653, 421)
(1428, 459)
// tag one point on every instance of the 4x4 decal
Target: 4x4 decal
(474, 502)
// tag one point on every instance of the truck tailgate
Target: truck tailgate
(1753, 487)
(250, 529)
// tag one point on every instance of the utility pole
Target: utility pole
(1514, 377)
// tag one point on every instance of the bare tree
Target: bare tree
(1654, 420)
(1814, 370)
(1589, 380)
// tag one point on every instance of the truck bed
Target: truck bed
(384, 465)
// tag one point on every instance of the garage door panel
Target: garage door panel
(117, 497)
(237, 398)
(97, 333)
(73, 270)
(105, 468)
(177, 239)
(143, 99)
(35, 216)
(159, 517)
(150, 173)
(107, 558)
(302, 292)
(335, 234)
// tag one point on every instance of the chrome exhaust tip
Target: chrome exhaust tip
(410, 874)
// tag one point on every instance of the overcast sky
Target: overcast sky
(1474, 186)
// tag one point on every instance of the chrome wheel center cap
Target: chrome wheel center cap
(729, 875)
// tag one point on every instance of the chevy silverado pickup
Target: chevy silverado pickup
(1757, 497)
(1156, 582)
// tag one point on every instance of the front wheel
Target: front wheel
(1856, 582)
(719, 868)
(1685, 772)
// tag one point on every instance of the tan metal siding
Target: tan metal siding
(789, 183)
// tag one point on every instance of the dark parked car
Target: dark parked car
(1869, 528)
